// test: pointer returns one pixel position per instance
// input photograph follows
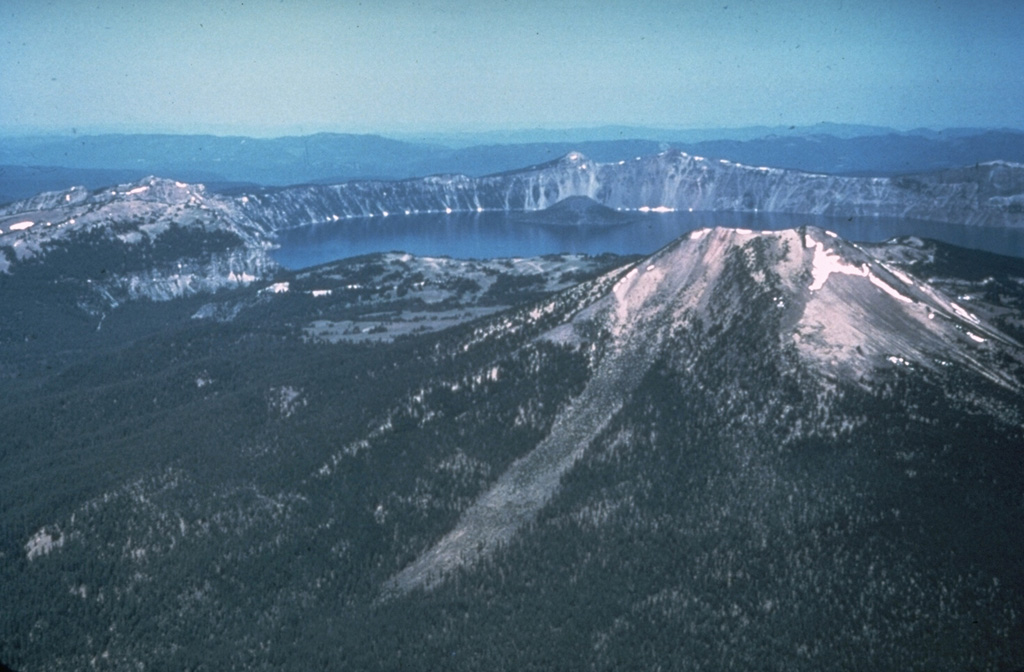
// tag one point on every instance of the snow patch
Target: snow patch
(241, 278)
(278, 288)
(42, 542)
(976, 338)
(903, 277)
(155, 228)
(136, 190)
(286, 400)
(321, 292)
(964, 314)
(21, 226)
(887, 288)
(826, 263)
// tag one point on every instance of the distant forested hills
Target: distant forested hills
(29, 165)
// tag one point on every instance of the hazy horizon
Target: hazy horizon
(268, 69)
(426, 135)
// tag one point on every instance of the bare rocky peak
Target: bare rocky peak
(809, 303)
(841, 308)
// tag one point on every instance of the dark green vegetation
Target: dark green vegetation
(206, 442)
(226, 492)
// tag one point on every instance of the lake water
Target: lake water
(490, 235)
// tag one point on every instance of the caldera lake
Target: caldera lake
(490, 235)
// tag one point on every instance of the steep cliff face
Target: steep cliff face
(989, 194)
(230, 236)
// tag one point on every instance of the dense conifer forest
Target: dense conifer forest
(230, 492)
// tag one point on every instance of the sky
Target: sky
(278, 67)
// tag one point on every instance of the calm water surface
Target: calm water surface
(489, 235)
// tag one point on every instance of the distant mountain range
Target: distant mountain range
(29, 165)
(623, 132)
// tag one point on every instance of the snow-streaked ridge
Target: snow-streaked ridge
(841, 312)
(135, 215)
(667, 182)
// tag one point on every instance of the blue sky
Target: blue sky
(281, 67)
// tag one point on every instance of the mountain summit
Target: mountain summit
(749, 449)
(819, 312)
